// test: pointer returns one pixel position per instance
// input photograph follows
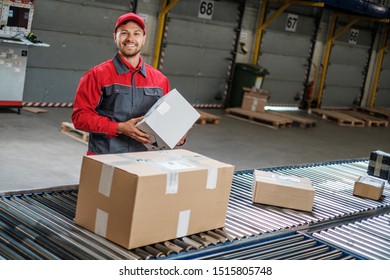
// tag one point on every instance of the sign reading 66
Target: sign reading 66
(353, 36)
(206, 9)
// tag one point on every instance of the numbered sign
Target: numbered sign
(353, 36)
(291, 23)
(206, 9)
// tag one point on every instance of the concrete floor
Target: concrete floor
(34, 154)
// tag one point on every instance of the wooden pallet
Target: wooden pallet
(342, 119)
(207, 118)
(264, 119)
(68, 129)
(377, 112)
(34, 110)
(298, 120)
(368, 119)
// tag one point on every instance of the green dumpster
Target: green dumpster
(245, 75)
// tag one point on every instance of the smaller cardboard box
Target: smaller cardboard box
(379, 165)
(254, 100)
(168, 120)
(369, 187)
(283, 191)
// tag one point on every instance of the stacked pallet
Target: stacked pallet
(207, 118)
(253, 111)
(68, 129)
(350, 118)
(376, 112)
(301, 121)
(260, 118)
(368, 119)
(342, 119)
(271, 119)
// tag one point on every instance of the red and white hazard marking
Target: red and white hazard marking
(48, 104)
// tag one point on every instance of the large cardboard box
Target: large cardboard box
(379, 165)
(136, 199)
(369, 187)
(254, 100)
(283, 191)
(168, 120)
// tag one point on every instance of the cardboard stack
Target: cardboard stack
(254, 99)
(136, 199)
(283, 191)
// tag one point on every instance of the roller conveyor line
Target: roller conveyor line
(40, 225)
(369, 238)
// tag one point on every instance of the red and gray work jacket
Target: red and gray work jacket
(114, 92)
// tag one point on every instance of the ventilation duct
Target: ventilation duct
(361, 7)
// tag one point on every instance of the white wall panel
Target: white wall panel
(80, 36)
(347, 69)
(286, 55)
(198, 52)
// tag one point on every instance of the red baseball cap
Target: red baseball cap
(130, 17)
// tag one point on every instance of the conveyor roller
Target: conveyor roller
(40, 225)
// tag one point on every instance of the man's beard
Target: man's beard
(130, 54)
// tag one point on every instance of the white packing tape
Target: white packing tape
(172, 183)
(378, 164)
(375, 182)
(170, 168)
(183, 223)
(254, 105)
(212, 177)
(105, 180)
(101, 222)
(212, 171)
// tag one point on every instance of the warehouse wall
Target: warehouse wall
(198, 52)
(248, 31)
(81, 37)
(382, 97)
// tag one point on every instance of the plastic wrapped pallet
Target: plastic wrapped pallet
(379, 164)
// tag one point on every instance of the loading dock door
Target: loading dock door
(197, 52)
(383, 92)
(347, 69)
(286, 55)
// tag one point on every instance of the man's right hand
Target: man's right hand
(128, 128)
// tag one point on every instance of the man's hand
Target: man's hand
(182, 140)
(128, 128)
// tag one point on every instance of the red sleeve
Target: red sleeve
(167, 86)
(84, 115)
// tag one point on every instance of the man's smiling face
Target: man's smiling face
(129, 39)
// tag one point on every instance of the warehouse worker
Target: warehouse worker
(115, 95)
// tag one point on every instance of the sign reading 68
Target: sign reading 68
(206, 9)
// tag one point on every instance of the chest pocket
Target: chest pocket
(121, 103)
(150, 96)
